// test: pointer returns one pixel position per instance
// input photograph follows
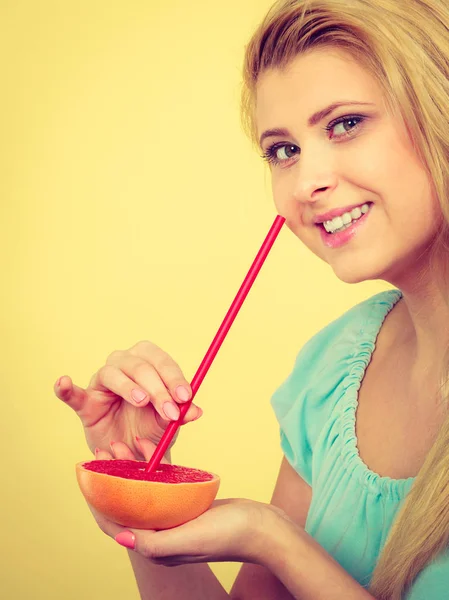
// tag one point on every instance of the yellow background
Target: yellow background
(132, 208)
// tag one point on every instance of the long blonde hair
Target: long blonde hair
(404, 44)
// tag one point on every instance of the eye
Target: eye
(356, 120)
(280, 152)
(284, 152)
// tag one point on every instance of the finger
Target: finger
(172, 544)
(102, 455)
(167, 368)
(147, 379)
(138, 540)
(194, 412)
(148, 383)
(70, 393)
(147, 449)
(142, 542)
(111, 378)
(122, 451)
(127, 537)
(149, 543)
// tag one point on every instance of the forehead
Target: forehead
(309, 82)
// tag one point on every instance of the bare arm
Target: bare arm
(198, 582)
(308, 571)
(293, 495)
(298, 568)
(189, 582)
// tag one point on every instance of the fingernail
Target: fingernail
(58, 383)
(127, 539)
(171, 411)
(182, 393)
(138, 395)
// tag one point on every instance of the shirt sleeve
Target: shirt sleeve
(306, 399)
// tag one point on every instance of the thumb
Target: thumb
(70, 393)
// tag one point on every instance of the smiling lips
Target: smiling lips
(338, 227)
(344, 220)
(341, 218)
(337, 212)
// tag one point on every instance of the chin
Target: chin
(351, 278)
(350, 274)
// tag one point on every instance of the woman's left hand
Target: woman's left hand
(231, 530)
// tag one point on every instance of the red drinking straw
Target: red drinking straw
(217, 341)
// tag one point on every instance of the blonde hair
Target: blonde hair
(404, 44)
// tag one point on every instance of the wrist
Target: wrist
(274, 538)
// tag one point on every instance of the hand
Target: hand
(134, 394)
(231, 530)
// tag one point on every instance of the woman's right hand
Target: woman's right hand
(134, 394)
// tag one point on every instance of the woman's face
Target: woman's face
(355, 194)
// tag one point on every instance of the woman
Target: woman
(347, 101)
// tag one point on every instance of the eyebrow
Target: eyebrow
(312, 120)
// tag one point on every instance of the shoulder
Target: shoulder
(363, 318)
(325, 358)
(336, 355)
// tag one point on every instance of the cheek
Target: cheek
(284, 201)
(420, 218)
(278, 189)
(295, 218)
(412, 198)
(390, 163)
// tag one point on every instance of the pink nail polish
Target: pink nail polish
(127, 539)
(182, 393)
(171, 411)
(138, 395)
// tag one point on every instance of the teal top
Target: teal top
(352, 508)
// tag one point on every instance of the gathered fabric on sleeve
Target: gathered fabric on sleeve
(304, 402)
(331, 362)
(352, 507)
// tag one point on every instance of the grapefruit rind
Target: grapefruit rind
(146, 504)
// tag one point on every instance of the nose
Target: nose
(312, 187)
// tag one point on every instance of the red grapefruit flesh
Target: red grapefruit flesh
(123, 492)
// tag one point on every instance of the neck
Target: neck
(424, 322)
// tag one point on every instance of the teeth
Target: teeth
(340, 223)
(337, 222)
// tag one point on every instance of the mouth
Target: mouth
(338, 230)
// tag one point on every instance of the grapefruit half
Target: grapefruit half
(123, 492)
